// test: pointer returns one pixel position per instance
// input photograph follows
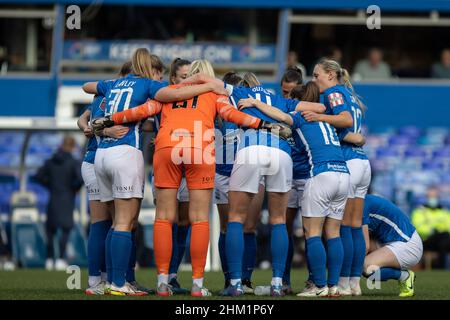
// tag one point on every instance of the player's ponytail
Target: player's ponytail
(345, 78)
(157, 64)
(250, 80)
(141, 63)
(201, 66)
(342, 77)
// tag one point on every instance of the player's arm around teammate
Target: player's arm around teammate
(127, 180)
(170, 94)
(327, 75)
(99, 248)
(199, 177)
(178, 71)
(354, 138)
(321, 210)
(344, 112)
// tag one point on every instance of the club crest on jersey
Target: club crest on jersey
(335, 99)
(102, 104)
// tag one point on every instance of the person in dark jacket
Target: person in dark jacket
(61, 175)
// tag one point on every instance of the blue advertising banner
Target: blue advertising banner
(167, 51)
(388, 5)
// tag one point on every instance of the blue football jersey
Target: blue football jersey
(300, 164)
(123, 94)
(97, 108)
(386, 222)
(338, 99)
(226, 147)
(262, 137)
(321, 143)
(226, 143)
(157, 117)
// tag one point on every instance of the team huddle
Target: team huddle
(233, 142)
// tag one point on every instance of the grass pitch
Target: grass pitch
(51, 285)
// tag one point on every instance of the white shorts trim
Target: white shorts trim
(183, 191)
(360, 177)
(325, 195)
(182, 194)
(257, 161)
(90, 181)
(221, 188)
(409, 253)
(120, 172)
(296, 193)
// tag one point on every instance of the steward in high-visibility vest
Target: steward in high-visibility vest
(429, 220)
(432, 223)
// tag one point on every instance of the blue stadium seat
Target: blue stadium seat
(382, 184)
(415, 152)
(9, 159)
(445, 178)
(29, 244)
(27, 232)
(387, 152)
(437, 131)
(401, 140)
(77, 247)
(433, 165)
(12, 138)
(410, 131)
(442, 153)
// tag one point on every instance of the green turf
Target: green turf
(41, 284)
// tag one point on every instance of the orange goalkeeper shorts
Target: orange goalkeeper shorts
(168, 164)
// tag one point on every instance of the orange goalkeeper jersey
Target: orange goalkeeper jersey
(188, 123)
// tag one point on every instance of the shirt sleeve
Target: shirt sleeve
(229, 113)
(154, 87)
(103, 87)
(148, 109)
(297, 119)
(336, 101)
(88, 107)
(229, 88)
(238, 93)
(366, 217)
(290, 104)
(342, 132)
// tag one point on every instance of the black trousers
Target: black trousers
(440, 243)
(63, 239)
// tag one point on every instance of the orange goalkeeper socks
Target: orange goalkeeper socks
(162, 245)
(199, 247)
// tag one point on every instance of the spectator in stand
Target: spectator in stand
(432, 222)
(441, 70)
(181, 32)
(292, 61)
(3, 61)
(335, 54)
(61, 175)
(372, 68)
